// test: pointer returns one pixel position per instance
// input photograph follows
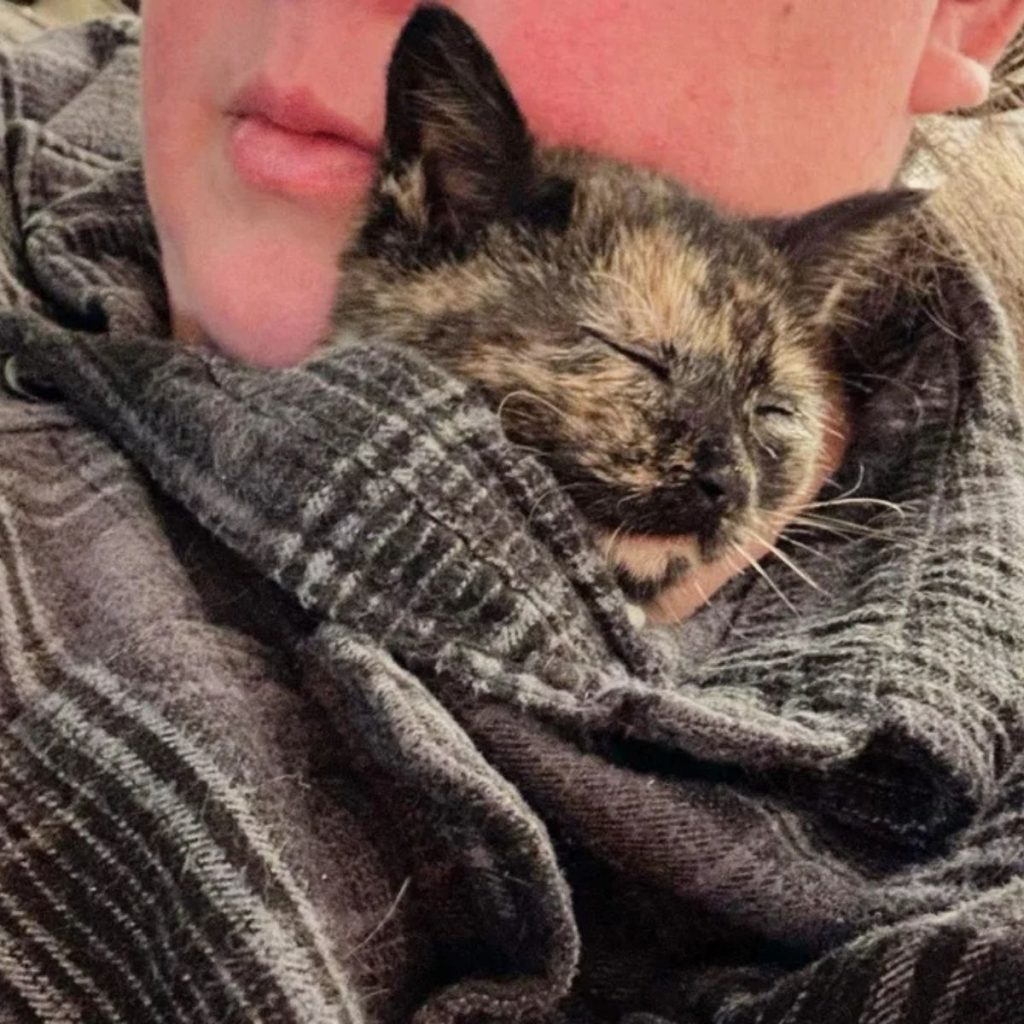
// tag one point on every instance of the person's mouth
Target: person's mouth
(287, 141)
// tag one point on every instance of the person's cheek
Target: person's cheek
(251, 273)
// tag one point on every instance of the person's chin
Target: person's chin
(274, 346)
(270, 307)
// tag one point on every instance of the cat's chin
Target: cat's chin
(664, 579)
(647, 566)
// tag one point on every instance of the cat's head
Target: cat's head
(668, 363)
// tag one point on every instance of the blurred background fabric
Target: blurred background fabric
(22, 20)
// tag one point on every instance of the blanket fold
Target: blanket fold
(824, 789)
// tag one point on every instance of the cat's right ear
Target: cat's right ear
(457, 147)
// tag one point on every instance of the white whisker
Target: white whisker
(784, 536)
(880, 502)
(786, 561)
(841, 527)
(764, 575)
(856, 487)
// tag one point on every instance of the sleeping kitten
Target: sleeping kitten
(669, 364)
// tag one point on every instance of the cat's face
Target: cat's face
(668, 364)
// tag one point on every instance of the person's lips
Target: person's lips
(288, 141)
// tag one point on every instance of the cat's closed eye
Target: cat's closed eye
(644, 356)
(778, 408)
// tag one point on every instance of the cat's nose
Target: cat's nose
(694, 505)
(721, 488)
(720, 484)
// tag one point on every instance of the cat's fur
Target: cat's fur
(668, 363)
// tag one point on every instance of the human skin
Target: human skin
(767, 106)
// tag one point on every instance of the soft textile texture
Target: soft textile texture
(318, 706)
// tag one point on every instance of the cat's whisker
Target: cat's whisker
(880, 502)
(554, 489)
(855, 385)
(636, 495)
(883, 378)
(786, 521)
(614, 540)
(810, 581)
(816, 518)
(522, 393)
(842, 528)
(852, 490)
(816, 529)
(810, 549)
(705, 598)
(759, 569)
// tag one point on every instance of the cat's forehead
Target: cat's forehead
(652, 284)
(661, 265)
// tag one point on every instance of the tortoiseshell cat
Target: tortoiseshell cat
(669, 364)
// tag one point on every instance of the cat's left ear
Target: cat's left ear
(452, 118)
(818, 238)
(830, 246)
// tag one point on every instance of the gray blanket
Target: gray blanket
(341, 718)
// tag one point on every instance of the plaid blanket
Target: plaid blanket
(317, 705)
